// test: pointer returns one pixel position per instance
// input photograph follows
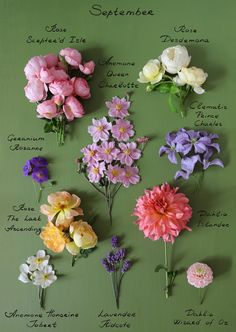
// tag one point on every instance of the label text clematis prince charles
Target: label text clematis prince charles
(163, 212)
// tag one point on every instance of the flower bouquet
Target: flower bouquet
(195, 149)
(57, 83)
(163, 212)
(110, 162)
(62, 231)
(36, 270)
(170, 74)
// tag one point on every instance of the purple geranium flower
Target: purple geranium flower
(40, 174)
(27, 169)
(118, 107)
(39, 162)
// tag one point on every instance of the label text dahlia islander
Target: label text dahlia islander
(58, 84)
(163, 212)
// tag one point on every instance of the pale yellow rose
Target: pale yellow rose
(194, 77)
(53, 237)
(83, 237)
(63, 207)
(152, 72)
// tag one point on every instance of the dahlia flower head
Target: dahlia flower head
(163, 212)
(199, 275)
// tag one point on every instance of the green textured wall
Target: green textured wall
(85, 289)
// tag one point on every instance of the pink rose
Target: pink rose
(35, 90)
(73, 108)
(81, 87)
(47, 109)
(51, 60)
(87, 68)
(59, 74)
(33, 67)
(46, 75)
(58, 100)
(72, 56)
(63, 88)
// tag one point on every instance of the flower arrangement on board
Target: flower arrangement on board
(110, 161)
(170, 74)
(116, 264)
(163, 213)
(39, 272)
(58, 84)
(62, 230)
(196, 149)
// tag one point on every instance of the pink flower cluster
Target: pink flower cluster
(112, 155)
(199, 275)
(163, 212)
(52, 85)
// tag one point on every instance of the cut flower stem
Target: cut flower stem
(166, 271)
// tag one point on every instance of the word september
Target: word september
(96, 10)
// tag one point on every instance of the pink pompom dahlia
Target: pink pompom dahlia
(163, 213)
(199, 275)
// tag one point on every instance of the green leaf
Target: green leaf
(48, 127)
(173, 102)
(160, 267)
(174, 89)
(164, 88)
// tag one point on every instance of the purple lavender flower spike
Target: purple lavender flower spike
(27, 169)
(126, 266)
(39, 162)
(115, 241)
(40, 174)
(109, 268)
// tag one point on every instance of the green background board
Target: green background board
(85, 289)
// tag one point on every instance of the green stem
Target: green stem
(112, 274)
(74, 259)
(166, 272)
(40, 193)
(109, 201)
(92, 184)
(41, 297)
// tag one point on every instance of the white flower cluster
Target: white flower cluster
(37, 270)
(174, 60)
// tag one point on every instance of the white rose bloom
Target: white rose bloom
(175, 58)
(152, 72)
(194, 77)
(24, 273)
(44, 277)
(38, 261)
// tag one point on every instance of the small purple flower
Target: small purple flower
(40, 174)
(108, 152)
(130, 176)
(115, 241)
(114, 173)
(120, 254)
(129, 153)
(90, 153)
(109, 268)
(126, 266)
(118, 107)
(207, 163)
(39, 162)
(96, 171)
(170, 148)
(122, 130)
(27, 169)
(100, 129)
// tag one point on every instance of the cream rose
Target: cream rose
(175, 58)
(194, 77)
(83, 235)
(152, 72)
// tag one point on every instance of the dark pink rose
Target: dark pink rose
(87, 68)
(35, 90)
(73, 108)
(81, 87)
(72, 56)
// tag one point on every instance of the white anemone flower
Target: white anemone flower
(44, 277)
(24, 274)
(38, 261)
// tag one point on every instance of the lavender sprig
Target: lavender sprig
(116, 264)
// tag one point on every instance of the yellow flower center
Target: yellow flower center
(95, 170)
(45, 277)
(38, 260)
(119, 107)
(128, 174)
(91, 153)
(122, 130)
(127, 152)
(115, 172)
(100, 128)
(107, 151)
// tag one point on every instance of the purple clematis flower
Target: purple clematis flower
(207, 163)
(170, 148)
